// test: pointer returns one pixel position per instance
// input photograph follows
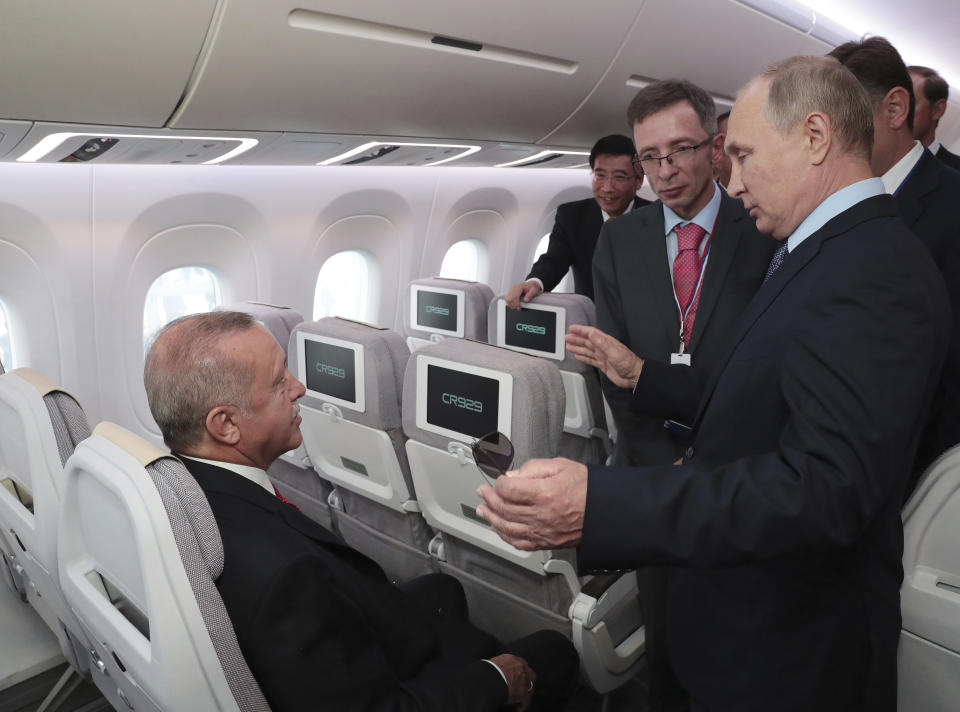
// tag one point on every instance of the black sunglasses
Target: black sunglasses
(493, 454)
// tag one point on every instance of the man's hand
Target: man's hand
(600, 350)
(539, 506)
(520, 679)
(522, 290)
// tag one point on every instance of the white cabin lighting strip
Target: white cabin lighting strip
(50, 143)
(468, 151)
(543, 154)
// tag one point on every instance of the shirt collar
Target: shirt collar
(934, 147)
(254, 474)
(706, 218)
(632, 206)
(833, 205)
(899, 171)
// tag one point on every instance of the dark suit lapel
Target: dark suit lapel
(651, 261)
(792, 266)
(923, 179)
(723, 246)
(217, 479)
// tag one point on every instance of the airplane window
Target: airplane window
(343, 286)
(179, 292)
(467, 260)
(6, 340)
(566, 284)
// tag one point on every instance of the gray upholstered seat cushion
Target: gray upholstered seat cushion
(201, 550)
(279, 321)
(477, 300)
(538, 397)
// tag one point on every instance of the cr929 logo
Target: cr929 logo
(328, 370)
(531, 329)
(461, 402)
(441, 311)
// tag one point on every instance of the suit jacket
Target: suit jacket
(929, 202)
(785, 516)
(951, 159)
(319, 623)
(635, 304)
(572, 242)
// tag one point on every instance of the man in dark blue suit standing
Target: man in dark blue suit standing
(577, 224)
(928, 198)
(781, 527)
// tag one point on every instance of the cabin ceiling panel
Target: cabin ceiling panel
(10, 134)
(375, 68)
(100, 61)
(717, 44)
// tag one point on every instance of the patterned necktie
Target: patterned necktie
(284, 499)
(686, 271)
(778, 257)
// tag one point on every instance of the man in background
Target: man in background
(722, 165)
(931, 92)
(927, 193)
(574, 236)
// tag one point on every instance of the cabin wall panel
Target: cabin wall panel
(45, 278)
(81, 245)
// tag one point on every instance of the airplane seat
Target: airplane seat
(139, 554)
(352, 430)
(454, 392)
(292, 473)
(929, 653)
(538, 329)
(40, 426)
(435, 308)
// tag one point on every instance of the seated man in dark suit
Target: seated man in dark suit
(928, 198)
(781, 528)
(319, 624)
(574, 236)
(931, 91)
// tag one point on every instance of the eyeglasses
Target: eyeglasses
(493, 454)
(682, 154)
(620, 180)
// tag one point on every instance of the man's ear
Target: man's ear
(817, 136)
(895, 107)
(938, 109)
(223, 424)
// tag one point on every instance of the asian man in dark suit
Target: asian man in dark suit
(319, 624)
(646, 274)
(927, 192)
(931, 92)
(574, 235)
(782, 525)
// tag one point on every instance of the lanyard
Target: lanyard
(696, 290)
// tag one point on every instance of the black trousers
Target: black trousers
(666, 694)
(551, 655)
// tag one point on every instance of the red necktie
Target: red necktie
(686, 271)
(284, 499)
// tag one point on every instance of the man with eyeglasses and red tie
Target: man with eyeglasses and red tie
(577, 225)
(670, 281)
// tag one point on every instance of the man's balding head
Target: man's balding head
(219, 388)
(187, 373)
(798, 132)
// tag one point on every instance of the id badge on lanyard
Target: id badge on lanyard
(681, 356)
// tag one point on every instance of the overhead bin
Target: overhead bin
(99, 61)
(672, 38)
(497, 70)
